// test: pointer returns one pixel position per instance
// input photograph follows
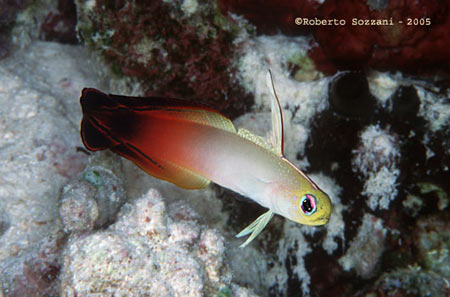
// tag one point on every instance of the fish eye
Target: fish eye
(308, 204)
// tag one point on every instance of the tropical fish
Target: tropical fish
(189, 145)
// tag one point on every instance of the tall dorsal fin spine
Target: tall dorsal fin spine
(277, 117)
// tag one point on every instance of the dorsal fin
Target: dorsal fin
(261, 141)
(200, 116)
(276, 143)
(277, 137)
(94, 102)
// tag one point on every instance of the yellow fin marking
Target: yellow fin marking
(163, 169)
(261, 141)
(181, 176)
(203, 117)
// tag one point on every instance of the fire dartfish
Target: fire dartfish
(189, 145)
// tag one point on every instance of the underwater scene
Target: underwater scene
(224, 148)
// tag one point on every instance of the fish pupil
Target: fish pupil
(306, 205)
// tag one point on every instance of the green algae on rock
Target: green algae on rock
(412, 281)
(92, 200)
(433, 244)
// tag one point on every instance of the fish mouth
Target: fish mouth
(321, 221)
(316, 222)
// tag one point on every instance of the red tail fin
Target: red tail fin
(94, 135)
(149, 131)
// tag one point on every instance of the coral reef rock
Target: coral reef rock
(366, 249)
(38, 156)
(92, 200)
(149, 252)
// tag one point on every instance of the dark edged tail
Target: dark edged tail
(94, 135)
(119, 123)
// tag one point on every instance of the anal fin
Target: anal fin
(162, 169)
(183, 177)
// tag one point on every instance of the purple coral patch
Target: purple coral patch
(170, 53)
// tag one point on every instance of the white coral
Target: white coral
(377, 159)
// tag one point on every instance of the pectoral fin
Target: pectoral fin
(255, 228)
(277, 117)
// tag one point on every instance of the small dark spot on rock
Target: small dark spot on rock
(404, 116)
(60, 25)
(114, 5)
(405, 102)
(332, 141)
(4, 225)
(4, 46)
(349, 95)
(51, 272)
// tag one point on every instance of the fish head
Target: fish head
(311, 207)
